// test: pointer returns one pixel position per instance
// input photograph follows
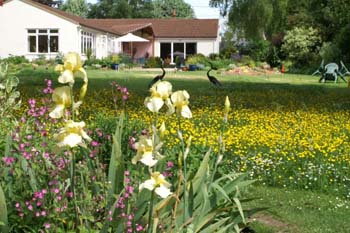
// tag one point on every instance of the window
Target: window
(191, 49)
(176, 49)
(42, 40)
(165, 50)
(88, 41)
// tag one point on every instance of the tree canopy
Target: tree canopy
(278, 20)
(121, 9)
(172, 8)
(76, 7)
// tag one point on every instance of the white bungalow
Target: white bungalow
(31, 29)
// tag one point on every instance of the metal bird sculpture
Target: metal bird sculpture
(211, 78)
(158, 77)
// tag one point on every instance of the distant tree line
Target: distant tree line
(125, 8)
(302, 32)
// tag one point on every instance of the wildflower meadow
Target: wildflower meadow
(81, 156)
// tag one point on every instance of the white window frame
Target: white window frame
(87, 41)
(48, 33)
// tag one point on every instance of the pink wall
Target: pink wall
(142, 48)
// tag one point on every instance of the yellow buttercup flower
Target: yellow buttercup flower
(144, 152)
(180, 102)
(72, 135)
(157, 183)
(62, 97)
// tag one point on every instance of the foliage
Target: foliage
(172, 8)
(300, 44)
(329, 52)
(256, 49)
(153, 62)
(52, 3)
(121, 9)
(197, 59)
(248, 18)
(15, 59)
(3, 213)
(76, 7)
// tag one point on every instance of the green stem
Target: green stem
(72, 98)
(184, 169)
(72, 183)
(150, 213)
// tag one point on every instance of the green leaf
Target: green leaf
(116, 168)
(11, 83)
(221, 190)
(3, 212)
(190, 200)
(201, 173)
(239, 206)
(216, 226)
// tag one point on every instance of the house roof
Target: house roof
(162, 28)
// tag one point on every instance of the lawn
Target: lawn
(288, 132)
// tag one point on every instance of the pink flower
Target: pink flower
(8, 160)
(169, 164)
(47, 225)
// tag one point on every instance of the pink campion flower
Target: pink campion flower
(94, 143)
(132, 142)
(43, 213)
(47, 225)
(169, 164)
(129, 189)
(30, 207)
(126, 173)
(8, 160)
(139, 227)
(32, 102)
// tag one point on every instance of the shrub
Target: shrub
(16, 59)
(153, 62)
(330, 52)
(258, 50)
(301, 45)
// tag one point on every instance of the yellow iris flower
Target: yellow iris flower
(160, 93)
(180, 102)
(72, 135)
(144, 152)
(72, 64)
(227, 105)
(157, 183)
(62, 97)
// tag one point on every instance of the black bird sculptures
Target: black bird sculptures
(158, 77)
(212, 79)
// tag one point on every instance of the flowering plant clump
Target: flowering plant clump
(56, 176)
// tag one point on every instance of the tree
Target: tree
(76, 7)
(121, 9)
(253, 19)
(52, 3)
(172, 8)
